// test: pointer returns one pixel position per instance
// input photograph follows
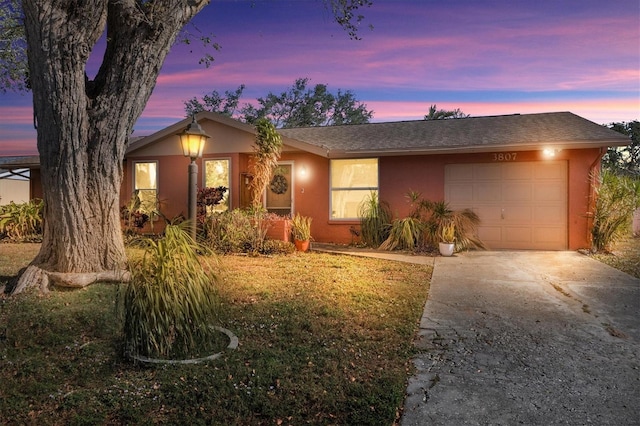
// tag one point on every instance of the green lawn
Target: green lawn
(324, 339)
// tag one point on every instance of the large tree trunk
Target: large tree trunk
(83, 125)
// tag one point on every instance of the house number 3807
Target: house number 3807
(505, 156)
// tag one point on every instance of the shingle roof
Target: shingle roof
(562, 130)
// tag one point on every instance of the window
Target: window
(216, 173)
(351, 182)
(145, 181)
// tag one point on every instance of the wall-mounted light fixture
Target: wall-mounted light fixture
(303, 171)
(550, 152)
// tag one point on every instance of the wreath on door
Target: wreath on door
(279, 184)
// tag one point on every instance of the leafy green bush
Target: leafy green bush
(240, 231)
(171, 299)
(22, 222)
(229, 232)
(617, 197)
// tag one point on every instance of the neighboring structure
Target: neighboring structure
(529, 177)
(15, 183)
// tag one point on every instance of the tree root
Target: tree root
(43, 280)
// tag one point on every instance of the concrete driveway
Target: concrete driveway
(535, 338)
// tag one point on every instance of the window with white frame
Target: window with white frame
(145, 182)
(352, 181)
(217, 172)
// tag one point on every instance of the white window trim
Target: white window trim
(341, 188)
(230, 187)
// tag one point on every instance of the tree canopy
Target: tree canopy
(443, 114)
(298, 106)
(13, 47)
(625, 160)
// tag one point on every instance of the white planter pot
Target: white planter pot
(446, 249)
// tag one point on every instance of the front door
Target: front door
(279, 191)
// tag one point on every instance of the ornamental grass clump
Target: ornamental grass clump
(617, 197)
(375, 220)
(171, 299)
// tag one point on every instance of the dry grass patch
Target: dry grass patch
(625, 256)
(324, 339)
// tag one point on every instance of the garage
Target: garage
(522, 205)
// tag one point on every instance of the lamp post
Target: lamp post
(192, 139)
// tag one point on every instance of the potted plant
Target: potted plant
(447, 238)
(301, 230)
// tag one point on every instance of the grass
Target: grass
(324, 339)
(625, 256)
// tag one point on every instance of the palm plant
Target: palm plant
(170, 300)
(438, 216)
(268, 145)
(405, 234)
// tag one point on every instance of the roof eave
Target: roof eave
(472, 149)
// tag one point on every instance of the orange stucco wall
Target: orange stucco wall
(425, 174)
(398, 176)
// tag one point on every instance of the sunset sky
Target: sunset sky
(486, 57)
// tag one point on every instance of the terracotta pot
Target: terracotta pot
(446, 249)
(301, 245)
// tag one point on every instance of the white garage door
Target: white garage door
(521, 205)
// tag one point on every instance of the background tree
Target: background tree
(84, 125)
(13, 47)
(443, 114)
(226, 105)
(624, 160)
(298, 106)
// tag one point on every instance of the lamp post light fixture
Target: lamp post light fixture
(192, 140)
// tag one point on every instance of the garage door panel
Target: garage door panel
(517, 171)
(545, 215)
(549, 191)
(549, 238)
(490, 235)
(517, 214)
(490, 214)
(517, 234)
(457, 193)
(486, 192)
(521, 205)
(458, 172)
(487, 171)
(517, 191)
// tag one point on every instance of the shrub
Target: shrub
(228, 232)
(277, 247)
(22, 222)
(617, 197)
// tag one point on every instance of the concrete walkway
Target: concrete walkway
(534, 338)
